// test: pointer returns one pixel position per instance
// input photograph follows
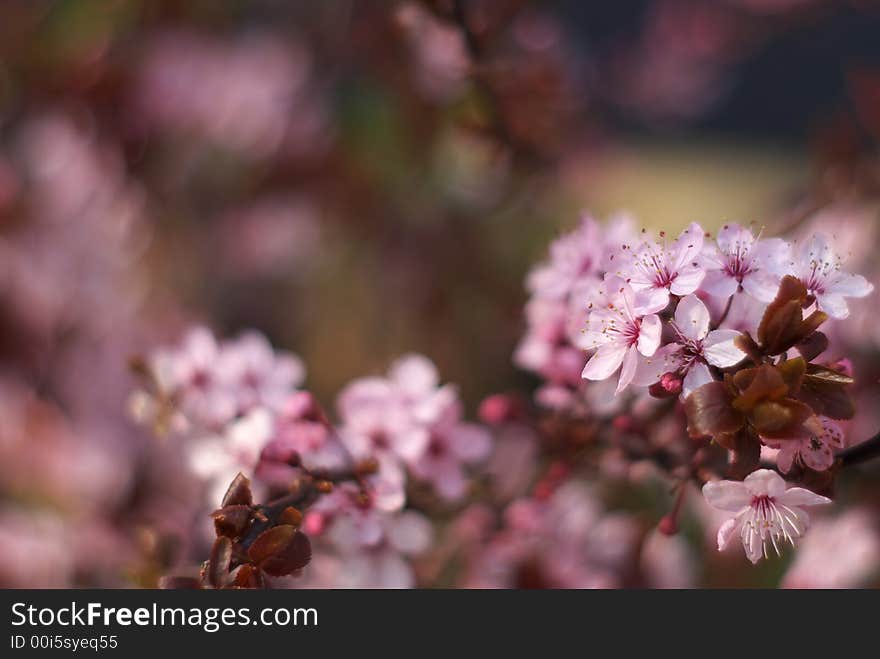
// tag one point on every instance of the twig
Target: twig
(867, 450)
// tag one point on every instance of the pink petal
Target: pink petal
(762, 286)
(785, 457)
(470, 442)
(850, 285)
(798, 496)
(605, 361)
(689, 244)
(719, 348)
(719, 284)
(696, 377)
(765, 482)
(628, 371)
(651, 369)
(731, 235)
(833, 304)
(651, 301)
(727, 495)
(414, 374)
(649, 335)
(688, 280)
(692, 317)
(726, 533)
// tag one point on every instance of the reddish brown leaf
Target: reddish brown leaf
(812, 346)
(710, 411)
(239, 492)
(758, 384)
(783, 324)
(232, 521)
(217, 573)
(780, 419)
(792, 372)
(295, 555)
(180, 583)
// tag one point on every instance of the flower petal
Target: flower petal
(765, 482)
(727, 532)
(720, 350)
(605, 361)
(732, 496)
(649, 335)
(628, 371)
(688, 280)
(719, 284)
(799, 496)
(688, 245)
(652, 368)
(833, 304)
(844, 283)
(696, 377)
(692, 318)
(761, 285)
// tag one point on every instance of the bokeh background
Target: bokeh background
(357, 180)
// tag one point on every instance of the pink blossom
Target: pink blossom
(841, 552)
(656, 270)
(190, 375)
(766, 513)
(380, 416)
(820, 270)
(619, 328)
(452, 444)
(692, 351)
(739, 261)
(257, 374)
(815, 451)
(573, 257)
(384, 562)
(218, 458)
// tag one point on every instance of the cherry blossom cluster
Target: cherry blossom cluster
(236, 406)
(728, 325)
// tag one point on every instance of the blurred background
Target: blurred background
(357, 180)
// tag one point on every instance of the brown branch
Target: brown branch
(863, 452)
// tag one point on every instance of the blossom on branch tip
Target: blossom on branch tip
(767, 514)
(819, 269)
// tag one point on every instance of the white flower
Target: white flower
(619, 328)
(742, 261)
(767, 514)
(694, 348)
(658, 270)
(819, 268)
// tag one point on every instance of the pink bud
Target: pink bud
(499, 408)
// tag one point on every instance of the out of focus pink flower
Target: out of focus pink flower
(839, 552)
(217, 459)
(251, 94)
(452, 444)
